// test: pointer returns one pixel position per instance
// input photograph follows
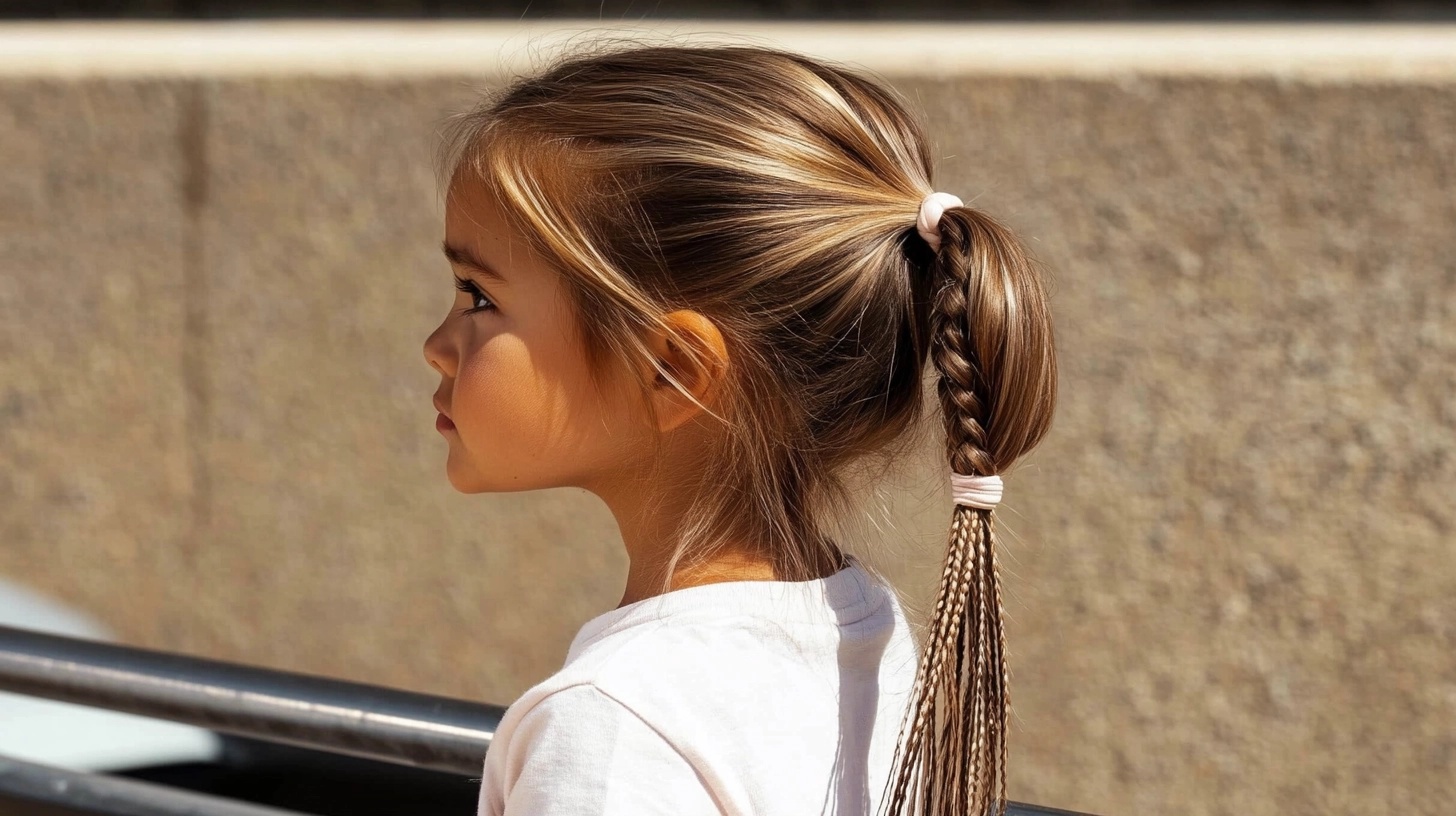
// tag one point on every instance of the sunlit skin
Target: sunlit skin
(519, 410)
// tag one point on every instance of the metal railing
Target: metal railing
(297, 709)
(340, 717)
(67, 791)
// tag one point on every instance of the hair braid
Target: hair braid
(991, 343)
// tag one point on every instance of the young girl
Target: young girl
(700, 282)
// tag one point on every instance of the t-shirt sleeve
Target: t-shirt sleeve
(579, 752)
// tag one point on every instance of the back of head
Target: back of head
(778, 196)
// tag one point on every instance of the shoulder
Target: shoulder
(581, 709)
(577, 750)
(672, 679)
(619, 674)
(694, 656)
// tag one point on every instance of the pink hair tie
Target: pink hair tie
(975, 491)
(931, 209)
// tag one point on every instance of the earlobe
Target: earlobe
(692, 361)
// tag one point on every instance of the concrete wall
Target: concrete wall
(1231, 573)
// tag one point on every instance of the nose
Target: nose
(439, 352)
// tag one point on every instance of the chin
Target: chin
(470, 480)
(461, 483)
(463, 478)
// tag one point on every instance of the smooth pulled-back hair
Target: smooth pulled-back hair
(777, 196)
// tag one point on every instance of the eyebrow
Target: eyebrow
(464, 257)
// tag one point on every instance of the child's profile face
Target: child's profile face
(517, 405)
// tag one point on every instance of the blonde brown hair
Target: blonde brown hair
(777, 196)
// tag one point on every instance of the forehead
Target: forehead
(472, 209)
(477, 228)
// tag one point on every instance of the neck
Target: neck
(649, 514)
(650, 506)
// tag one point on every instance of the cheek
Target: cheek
(527, 415)
(503, 397)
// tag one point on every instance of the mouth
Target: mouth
(442, 421)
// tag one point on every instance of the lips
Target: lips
(442, 422)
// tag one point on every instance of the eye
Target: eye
(478, 301)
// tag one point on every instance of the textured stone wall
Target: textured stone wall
(1229, 567)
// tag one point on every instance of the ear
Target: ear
(690, 348)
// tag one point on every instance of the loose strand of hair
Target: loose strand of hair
(999, 662)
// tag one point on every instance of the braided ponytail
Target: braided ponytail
(991, 342)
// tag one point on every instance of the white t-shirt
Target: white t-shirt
(744, 698)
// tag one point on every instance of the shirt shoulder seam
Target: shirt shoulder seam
(592, 686)
(657, 732)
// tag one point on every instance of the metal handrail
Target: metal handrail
(78, 792)
(337, 716)
(374, 722)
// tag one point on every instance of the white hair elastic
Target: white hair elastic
(975, 491)
(931, 209)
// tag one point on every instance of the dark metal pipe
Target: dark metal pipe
(1023, 809)
(28, 783)
(334, 715)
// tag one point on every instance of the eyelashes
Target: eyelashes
(479, 302)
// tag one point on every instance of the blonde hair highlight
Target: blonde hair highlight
(777, 196)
